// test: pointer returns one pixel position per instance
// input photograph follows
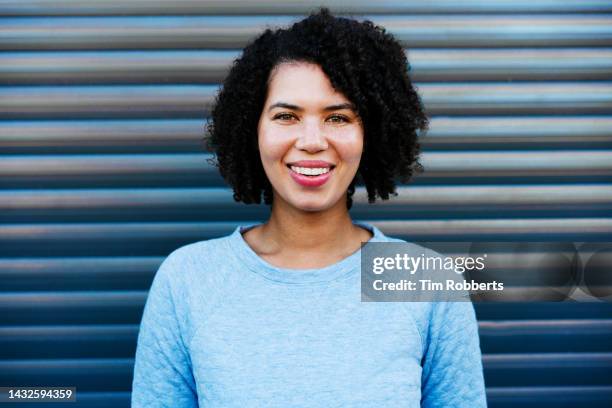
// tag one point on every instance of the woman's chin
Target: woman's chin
(311, 204)
(311, 207)
(309, 201)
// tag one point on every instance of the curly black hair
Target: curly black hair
(363, 62)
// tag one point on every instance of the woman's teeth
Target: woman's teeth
(308, 171)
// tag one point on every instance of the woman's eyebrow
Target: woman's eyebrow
(285, 105)
(340, 106)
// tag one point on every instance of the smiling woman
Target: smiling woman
(271, 315)
(310, 139)
(309, 136)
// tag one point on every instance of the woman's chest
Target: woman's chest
(328, 352)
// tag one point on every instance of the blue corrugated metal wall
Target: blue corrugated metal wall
(102, 107)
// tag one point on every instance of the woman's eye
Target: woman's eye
(338, 119)
(284, 116)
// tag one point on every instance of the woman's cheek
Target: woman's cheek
(274, 145)
(350, 147)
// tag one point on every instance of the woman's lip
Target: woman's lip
(310, 181)
(311, 164)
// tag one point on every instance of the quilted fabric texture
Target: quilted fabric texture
(224, 328)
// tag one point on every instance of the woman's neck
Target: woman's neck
(301, 239)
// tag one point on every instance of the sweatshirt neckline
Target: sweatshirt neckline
(338, 270)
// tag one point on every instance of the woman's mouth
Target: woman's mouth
(310, 176)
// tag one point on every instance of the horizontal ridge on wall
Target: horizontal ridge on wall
(119, 340)
(125, 307)
(223, 32)
(130, 136)
(116, 239)
(217, 203)
(191, 101)
(548, 369)
(206, 66)
(270, 7)
(191, 170)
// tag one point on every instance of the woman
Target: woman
(270, 316)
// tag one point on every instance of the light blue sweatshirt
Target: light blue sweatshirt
(224, 328)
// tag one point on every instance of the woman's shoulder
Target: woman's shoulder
(203, 248)
(197, 262)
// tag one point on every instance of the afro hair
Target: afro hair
(363, 62)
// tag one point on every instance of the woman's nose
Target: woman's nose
(312, 138)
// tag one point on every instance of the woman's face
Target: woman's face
(310, 138)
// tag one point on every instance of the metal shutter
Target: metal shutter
(102, 107)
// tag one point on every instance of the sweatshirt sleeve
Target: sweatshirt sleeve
(162, 368)
(452, 373)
